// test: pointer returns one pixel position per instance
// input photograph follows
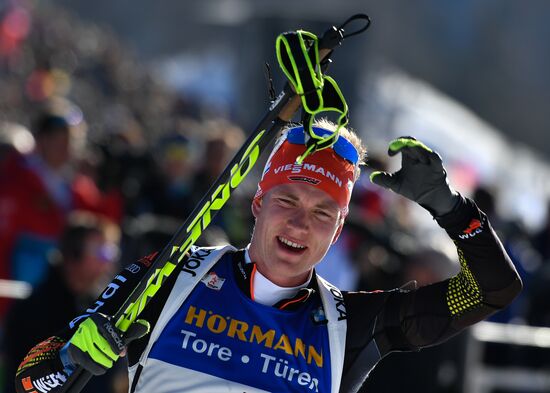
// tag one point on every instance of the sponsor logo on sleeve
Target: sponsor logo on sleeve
(474, 228)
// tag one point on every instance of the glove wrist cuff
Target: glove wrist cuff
(460, 216)
(455, 200)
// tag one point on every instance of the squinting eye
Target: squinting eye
(286, 202)
(323, 214)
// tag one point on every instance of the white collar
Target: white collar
(268, 293)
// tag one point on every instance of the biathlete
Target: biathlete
(260, 319)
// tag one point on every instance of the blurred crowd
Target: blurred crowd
(100, 165)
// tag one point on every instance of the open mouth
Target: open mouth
(290, 245)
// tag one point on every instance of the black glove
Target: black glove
(97, 343)
(421, 178)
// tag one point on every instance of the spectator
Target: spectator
(81, 268)
(222, 140)
(171, 190)
(37, 192)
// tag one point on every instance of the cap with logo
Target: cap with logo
(331, 170)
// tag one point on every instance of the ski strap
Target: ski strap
(298, 56)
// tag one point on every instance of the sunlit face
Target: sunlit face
(295, 226)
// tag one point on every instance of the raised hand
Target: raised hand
(422, 177)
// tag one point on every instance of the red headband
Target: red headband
(323, 169)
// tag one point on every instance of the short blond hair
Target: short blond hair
(347, 133)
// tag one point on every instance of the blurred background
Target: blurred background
(116, 117)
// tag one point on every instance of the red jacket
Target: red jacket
(26, 208)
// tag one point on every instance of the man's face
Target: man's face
(295, 226)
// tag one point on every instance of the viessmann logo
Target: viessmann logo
(301, 168)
